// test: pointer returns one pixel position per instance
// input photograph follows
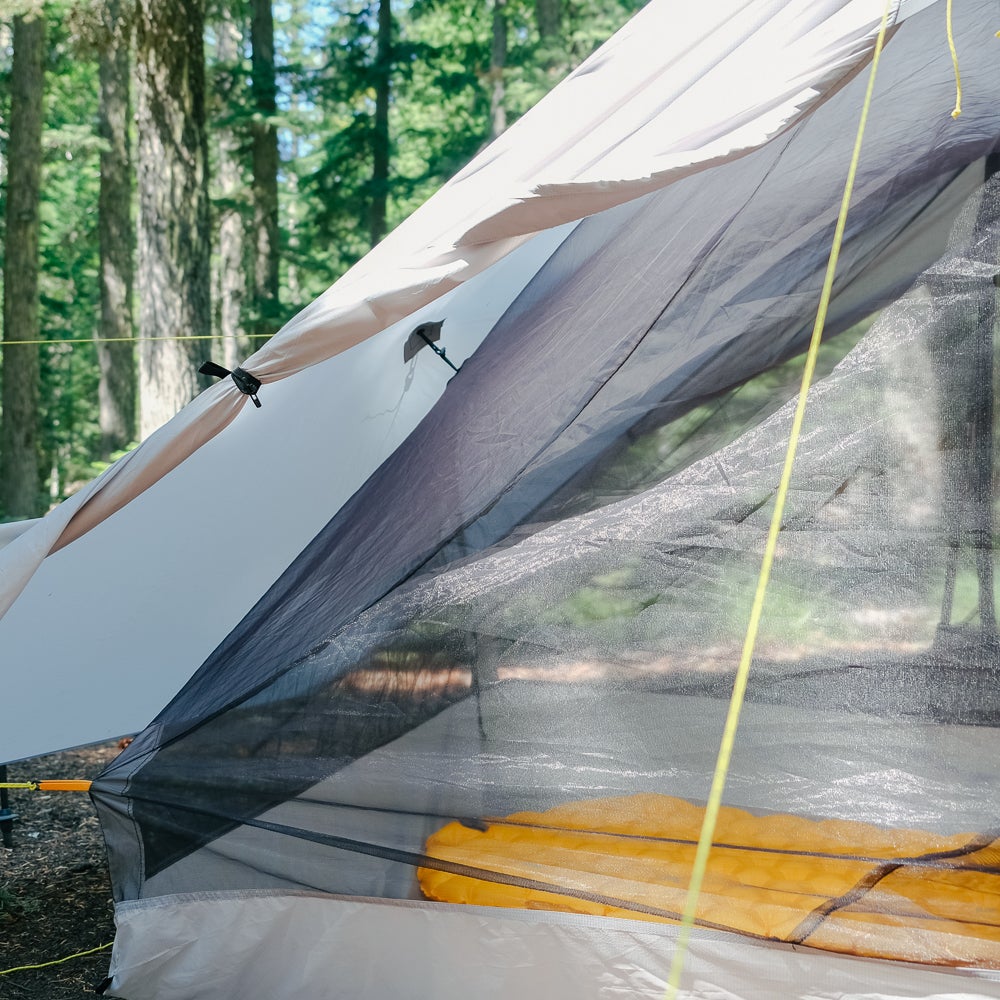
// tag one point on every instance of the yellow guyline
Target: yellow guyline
(133, 340)
(58, 961)
(57, 785)
(954, 61)
(61, 785)
(742, 673)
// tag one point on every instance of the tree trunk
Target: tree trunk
(174, 233)
(265, 170)
(20, 483)
(548, 17)
(292, 214)
(380, 133)
(230, 285)
(551, 55)
(115, 353)
(498, 60)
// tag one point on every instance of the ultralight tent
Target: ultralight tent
(466, 639)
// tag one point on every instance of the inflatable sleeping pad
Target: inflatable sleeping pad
(833, 884)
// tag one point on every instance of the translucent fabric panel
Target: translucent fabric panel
(589, 661)
(723, 267)
(307, 944)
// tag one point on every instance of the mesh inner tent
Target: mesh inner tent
(570, 680)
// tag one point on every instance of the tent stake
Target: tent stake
(7, 816)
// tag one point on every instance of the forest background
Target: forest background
(179, 177)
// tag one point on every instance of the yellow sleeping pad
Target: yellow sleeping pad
(842, 886)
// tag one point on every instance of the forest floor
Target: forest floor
(55, 894)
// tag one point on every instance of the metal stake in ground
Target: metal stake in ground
(7, 817)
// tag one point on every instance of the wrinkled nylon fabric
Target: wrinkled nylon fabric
(596, 142)
(539, 599)
(660, 304)
(572, 659)
(289, 943)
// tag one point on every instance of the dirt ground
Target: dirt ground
(55, 896)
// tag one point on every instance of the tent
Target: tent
(446, 655)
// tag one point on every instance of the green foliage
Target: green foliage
(326, 75)
(69, 289)
(12, 906)
(440, 112)
(342, 179)
(95, 468)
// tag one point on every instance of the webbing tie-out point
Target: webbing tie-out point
(426, 335)
(714, 802)
(247, 384)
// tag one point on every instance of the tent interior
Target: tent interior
(529, 718)
(586, 660)
(497, 676)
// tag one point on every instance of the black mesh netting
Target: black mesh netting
(588, 659)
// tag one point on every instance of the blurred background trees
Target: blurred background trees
(179, 177)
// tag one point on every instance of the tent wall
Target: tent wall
(676, 296)
(670, 99)
(355, 758)
(177, 570)
(599, 742)
(321, 947)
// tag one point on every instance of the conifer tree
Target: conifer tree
(20, 482)
(115, 353)
(382, 74)
(266, 249)
(174, 236)
(230, 282)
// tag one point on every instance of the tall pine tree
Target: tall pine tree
(230, 284)
(115, 353)
(264, 135)
(380, 140)
(20, 483)
(174, 235)
(498, 60)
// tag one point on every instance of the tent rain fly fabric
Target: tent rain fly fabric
(587, 660)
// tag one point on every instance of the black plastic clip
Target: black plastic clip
(425, 335)
(473, 823)
(245, 382)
